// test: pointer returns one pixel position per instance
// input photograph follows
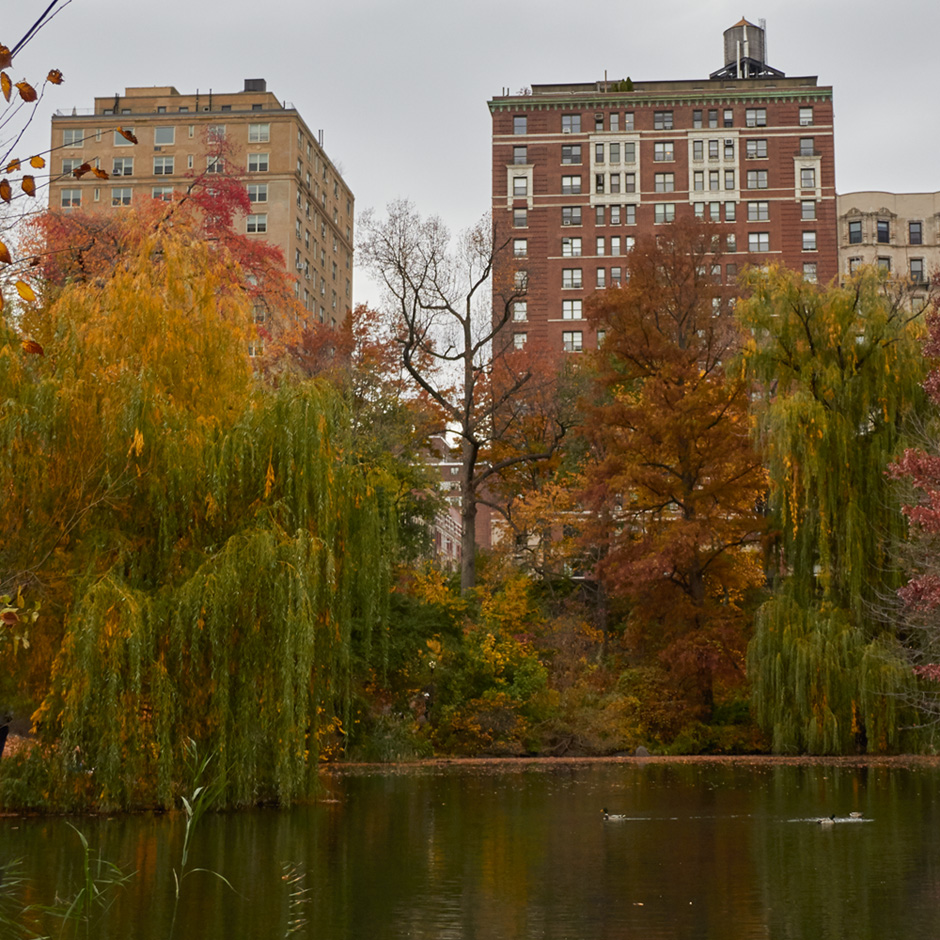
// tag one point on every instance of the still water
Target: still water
(521, 850)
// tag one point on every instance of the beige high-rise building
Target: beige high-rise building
(299, 199)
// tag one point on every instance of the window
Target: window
(571, 277)
(257, 163)
(73, 137)
(696, 119)
(729, 179)
(68, 166)
(570, 215)
(758, 211)
(570, 185)
(917, 270)
(884, 264)
(520, 218)
(714, 211)
(71, 198)
(756, 149)
(665, 182)
(664, 212)
(713, 181)
(731, 243)
(571, 124)
(758, 241)
(615, 276)
(729, 148)
(713, 117)
(699, 209)
(756, 179)
(662, 120)
(698, 149)
(615, 182)
(915, 233)
(808, 177)
(731, 211)
(215, 164)
(121, 141)
(520, 280)
(615, 245)
(808, 210)
(601, 246)
(629, 151)
(598, 153)
(629, 215)
(806, 117)
(755, 117)
(519, 123)
(598, 122)
(729, 117)
(615, 153)
(256, 222)
(663, 151)
(258, 192)
(884, 232)
(121, 196)
(259, 133)
(162, 166)
(214, 132)
(598, 182)
(571, 248)
(571, 309)
(615, 215)
(854, 265)
(628, 120)
(855, 232)
(713, 150)
(123, 166)
(698, 181)
(164, 136)
(731, 273)
(629, 182)
(520, 155)
(520, 310)
(809, 241)
(615, 120)
(807, 146)
(571, 153)
(571, 341)
(599, 215)
(518, 342)
(520, 186)
(520, 247)
(163, 193)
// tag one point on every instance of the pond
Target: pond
(730, 850)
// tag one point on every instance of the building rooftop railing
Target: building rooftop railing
(90, 112)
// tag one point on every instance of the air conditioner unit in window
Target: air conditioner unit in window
(158, 150)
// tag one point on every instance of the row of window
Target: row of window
(662, 120)
(164, 136)
(572, 247)
(665, 182)
(916, 268)
(915, 232)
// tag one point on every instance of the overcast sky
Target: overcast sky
(400, 88)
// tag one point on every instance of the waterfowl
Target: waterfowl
(827, 821)
(614, 817)
(855, 815)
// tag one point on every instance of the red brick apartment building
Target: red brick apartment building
(581, 170)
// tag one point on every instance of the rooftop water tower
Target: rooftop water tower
(746, 52)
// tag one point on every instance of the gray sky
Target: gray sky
(400, 88)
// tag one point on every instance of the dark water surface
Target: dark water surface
(723, 851)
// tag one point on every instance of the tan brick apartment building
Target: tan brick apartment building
(580, 170)
(299, 200)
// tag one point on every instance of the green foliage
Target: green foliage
(841, 371)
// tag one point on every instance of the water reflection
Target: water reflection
(730, 852)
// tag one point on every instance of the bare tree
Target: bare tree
(451, 324)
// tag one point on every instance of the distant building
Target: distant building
(899, 232)
(299, 199)
(581, 170)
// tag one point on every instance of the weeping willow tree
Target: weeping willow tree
(212, 553)
(840, 370)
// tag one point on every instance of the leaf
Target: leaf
(101, 174)
(5, 254)
(54, 76)
(13, 166)
(127, 135)
(28, 185)
(25, 291)
(5, 191)
(6, 57)
(6, 86)
(9, 617)
(80, 171)
(32, 347)
(27, 92)
(37, 162)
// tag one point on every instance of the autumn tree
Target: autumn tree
(838, 373)
(451, 328)
(676, 485)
